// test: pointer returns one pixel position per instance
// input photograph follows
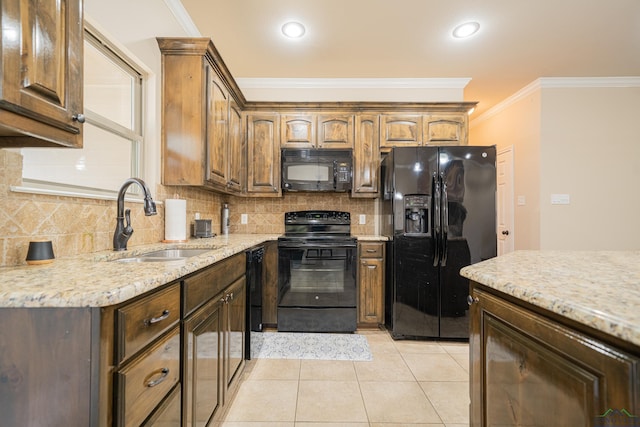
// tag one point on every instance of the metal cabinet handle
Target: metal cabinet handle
(471, 300)
(371, 267)
(164, 373)
(505, 232)
(160, 318)
(371, 251)
(78, 118)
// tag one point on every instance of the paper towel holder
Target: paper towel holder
(175, 232)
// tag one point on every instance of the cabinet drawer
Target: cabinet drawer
(138, 323)
(200, 287)
(143, 384)
(371, 250)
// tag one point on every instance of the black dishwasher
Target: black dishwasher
(255, 257)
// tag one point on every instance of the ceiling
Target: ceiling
(518, 42)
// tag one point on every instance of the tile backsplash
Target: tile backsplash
(79, 225)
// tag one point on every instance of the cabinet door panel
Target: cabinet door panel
(371, 307)
(264, 154)
(527, 369)
(445, 129)
(235, 330)
(366, 156)
(236, 148)
(335, 131)
(298, 131)
(202, 367)
(217, 128)
(400, 130)
(42, 71)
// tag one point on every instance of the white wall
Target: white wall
(577, 139)
(590, 149)
(517, 124)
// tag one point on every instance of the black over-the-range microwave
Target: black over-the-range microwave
(316, 170)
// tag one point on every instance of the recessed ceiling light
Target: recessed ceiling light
(293, 30)
(466, 30)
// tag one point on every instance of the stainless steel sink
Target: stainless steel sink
(165, 255)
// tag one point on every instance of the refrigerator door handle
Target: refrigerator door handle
(436, 219)
(445, 220)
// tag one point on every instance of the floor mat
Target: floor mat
(318, 346)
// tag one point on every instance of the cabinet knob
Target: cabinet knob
(472, 300)
(78, 118)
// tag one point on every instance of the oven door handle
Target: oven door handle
(316, 245)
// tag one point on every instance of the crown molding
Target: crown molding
(180, 13)
(352, 83)
(555, 83)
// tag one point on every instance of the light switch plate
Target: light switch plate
(363, 219)
(560, 199)
(522, 201)
(244, 219)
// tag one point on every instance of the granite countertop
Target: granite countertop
(599, 289)
(92, 280)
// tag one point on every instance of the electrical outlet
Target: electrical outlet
(363, 219)
(244, 219)
(522, 201)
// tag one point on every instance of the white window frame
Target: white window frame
(111, 49)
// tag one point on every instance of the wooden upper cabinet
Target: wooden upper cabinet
(335, 131)
(400, 130)
(217, 130)
(41, 94)
(298, 131)
(442, 129)
(263, 162)
(202, 138)
(366, 156)
(237, 149)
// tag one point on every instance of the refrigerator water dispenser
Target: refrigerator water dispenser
(416, 214)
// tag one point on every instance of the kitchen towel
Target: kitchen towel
(175, 220)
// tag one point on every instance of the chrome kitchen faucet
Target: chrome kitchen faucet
(123, 233)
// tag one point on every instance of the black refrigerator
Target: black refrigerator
(438, 210)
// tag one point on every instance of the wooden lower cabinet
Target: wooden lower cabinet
(45, 367)
(170, 357)
(371, 284)
(201, 363)
(214, 333)
(528, 368)
(143, 383)
(234, 329)
(169, 412)
(270, 285)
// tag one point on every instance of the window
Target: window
(112, 141)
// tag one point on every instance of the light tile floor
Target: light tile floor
(408, 383)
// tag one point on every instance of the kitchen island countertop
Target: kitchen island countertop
(599, 289)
